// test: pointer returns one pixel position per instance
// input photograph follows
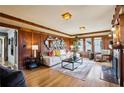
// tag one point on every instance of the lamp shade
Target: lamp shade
(113, 29)
(34, 47)
(71, 46)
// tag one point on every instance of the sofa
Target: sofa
(11, 78)
(57, 57)
(54, 57)
(51, 60)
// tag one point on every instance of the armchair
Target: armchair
(105, 55)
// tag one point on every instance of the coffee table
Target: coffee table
(71, 61)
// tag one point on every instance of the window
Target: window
(81, 48)
(88, 44)
(97, 45)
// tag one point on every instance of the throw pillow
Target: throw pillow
(50, 53)
(53, 53)
(58, 53)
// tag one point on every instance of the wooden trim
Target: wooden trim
(121, 67)
(120, 47)
(92, 33)
(92, 40)
(116, 15)
(26, 29)
(30, 23)
(10, 26)
(94, 36)
(84, 44)
(41, 26)
(17, 27)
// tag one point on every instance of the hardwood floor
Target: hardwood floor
(46, 77)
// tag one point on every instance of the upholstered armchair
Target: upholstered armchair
(98, 57)
(105, 55)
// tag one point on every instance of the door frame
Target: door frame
(2, 38)
(15, 46)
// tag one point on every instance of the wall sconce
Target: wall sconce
(35, 48)
(113, 29)
(71, 47)
(114, 35)
(118, 43)
(110, 35)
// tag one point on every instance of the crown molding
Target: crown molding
(25, 29)
(115, 20)
(92, 33)
(39, 26)
(30, 23)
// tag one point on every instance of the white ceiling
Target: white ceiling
(93, 17)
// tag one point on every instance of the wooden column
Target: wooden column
(121, 67)
(92, 44)
(122, 48)
(84, 44)
(122, 29)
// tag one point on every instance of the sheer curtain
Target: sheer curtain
(88, 45)
(97, 45)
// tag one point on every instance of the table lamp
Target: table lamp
(35, 48)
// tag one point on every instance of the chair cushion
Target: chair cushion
(63, 52)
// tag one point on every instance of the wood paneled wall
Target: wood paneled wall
(122, 29)
(106, 40)
(25, 43)
(27, 38)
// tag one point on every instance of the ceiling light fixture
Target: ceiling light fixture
(67, 16)
(82, 28)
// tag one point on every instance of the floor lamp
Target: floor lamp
(35, 48)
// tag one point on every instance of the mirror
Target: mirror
(54, 43)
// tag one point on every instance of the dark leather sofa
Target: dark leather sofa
(11, 78)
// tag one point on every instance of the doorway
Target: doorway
(9, 47)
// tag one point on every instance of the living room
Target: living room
(66, 52)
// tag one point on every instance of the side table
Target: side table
(31, 62)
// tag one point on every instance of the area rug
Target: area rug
(81, 72)
(108, 75)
